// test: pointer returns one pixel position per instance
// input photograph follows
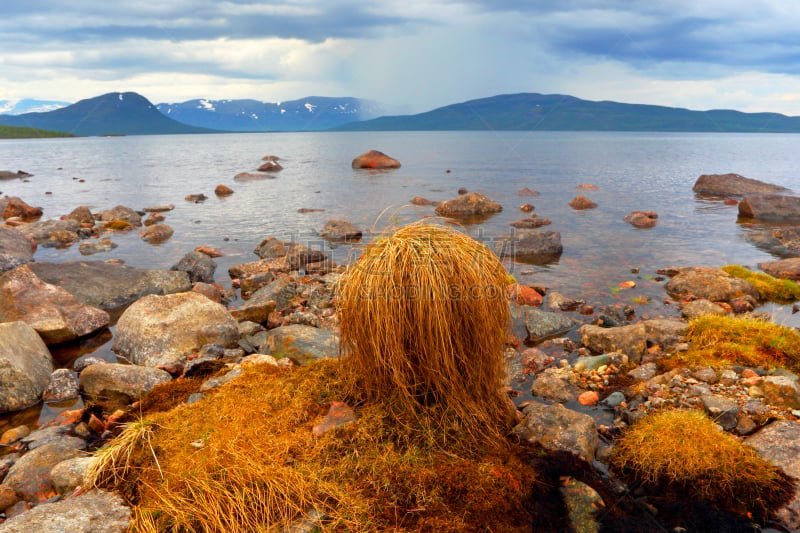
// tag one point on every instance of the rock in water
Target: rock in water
(163, 330)
(53, 312)
(467, 205)
(340, 230)
(25, 366)
(772, 207)
(733, 185)
(375, 159)
(712, 284)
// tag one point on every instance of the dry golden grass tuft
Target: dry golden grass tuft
(245, 460)
(424, 320)
(768, 287)
(683, 454)
(723, 340)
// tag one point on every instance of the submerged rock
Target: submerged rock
(642, 219)
(733, 185)
(783, 241)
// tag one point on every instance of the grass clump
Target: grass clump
(768, 287)
(682, 455)
(245, 460)
(724, 340)
(424, 321)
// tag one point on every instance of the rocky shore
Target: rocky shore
(578, 375)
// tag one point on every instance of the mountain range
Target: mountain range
(130, 114)
(313, 113)
(558, 112)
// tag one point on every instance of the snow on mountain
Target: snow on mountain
(27, 105)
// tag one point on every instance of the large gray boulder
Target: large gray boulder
(733, 185)
(15, 249)
(712, 284)
(163, 330)
(93, 512)
(128, 383)
(779, 443)
(530, 246)
(771, 207)
(556, 428)
(110, 286)
(25, 366)
(53, 312)
(630, 340)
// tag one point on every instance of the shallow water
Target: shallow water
(633, 171)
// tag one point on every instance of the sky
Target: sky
(411, 55)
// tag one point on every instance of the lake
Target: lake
(633, 171)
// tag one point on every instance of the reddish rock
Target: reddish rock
(155, 234)
(642, 219)
(270, 165)
(527, 192)
(11, 436)
(581, 202)
(210, 251)
(252, 176)
(8, 497)
(270, 158)
(586, 187)
(15, 207)
(783, 268)
(774, 207)
(83, 215)
(223, 190)
(418, 200)
(731, 201)
(196, 198)
(159, 208)
(524, 295)
(733, 185)
(530, 223)
(154, 218)
(470, 204)
(588, 398)
(304, 210)
(340, 414)
(526, 208)
(212, 291)
(375, 159)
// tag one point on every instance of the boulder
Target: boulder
(543, 324)
(82, 215)
(642, 219)
(223, 190)
(665, 332)
(701, 307)
(553, 385)
(15, 249)
(8, 175)
(782, 241)
(120, 212)
(30, 475)
(556, 428)
(733, 185)
(128, 383)
(14, 207)
(110, 286)
(375, 159)
(270, 166)
(49, 233)
(69, 474)
(163, 330)
(712, 284)
(53, 312)
(300, 343)
(198, 266)
(580, 203)
(25, 366)
(783, 268)
(630, 340)
(340, 230)
(156, 233)
(779, 443)
(530, 246)
(530, 223)
(472, 204)
(62, 386)
(93, 512)
(771, 207)
(281, 291)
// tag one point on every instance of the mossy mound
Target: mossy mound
(245, 460)
(769, 288)
(682, 454)
(723, 340)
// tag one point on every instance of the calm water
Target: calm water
(634, 171)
